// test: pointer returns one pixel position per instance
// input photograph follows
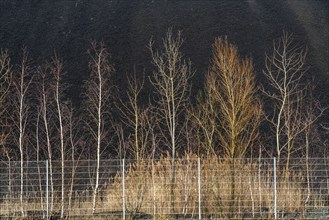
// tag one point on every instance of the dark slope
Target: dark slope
(126, 27)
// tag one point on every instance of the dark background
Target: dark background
(126, 26)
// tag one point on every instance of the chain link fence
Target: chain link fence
(190, 188)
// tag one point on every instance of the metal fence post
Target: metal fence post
(275, 194)
(199, 187)
(47, 192)
(123, 191)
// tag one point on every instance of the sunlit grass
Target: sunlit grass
(147, 192)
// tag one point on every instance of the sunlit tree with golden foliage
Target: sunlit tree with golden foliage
(231, 84)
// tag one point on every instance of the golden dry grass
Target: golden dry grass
(147, 191)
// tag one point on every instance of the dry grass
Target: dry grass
(147, 191)
(147, 188)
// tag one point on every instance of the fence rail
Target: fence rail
(190, 188)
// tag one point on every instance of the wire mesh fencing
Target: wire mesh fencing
(189, 188)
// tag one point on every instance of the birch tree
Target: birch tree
(98, 104)
(46, 117)
(74, 135)
(57, 69)
(22, 80)
(5, 83)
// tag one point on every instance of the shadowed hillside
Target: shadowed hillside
(127, 26)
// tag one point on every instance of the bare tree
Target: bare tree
(75, 146)
(121, 140)
(97, 95)
(57, 69)
(21, 84)
(133, 117)
(46, 105)
(5, 77)
(137, 141)
(8, 154)
(205, 119)
(312, 111)
(38, 152)
(284, 71)
(5, 82)
(171, 81)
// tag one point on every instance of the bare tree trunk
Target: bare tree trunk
(73, 156)
(44, 90)
(232, 201)
(307, 169)
(38, 161)
(98, 94)
(9, 181)
(278, 128)
(260, 192)
(99, 113)
(173, 144)
(21, 158)
(57, 69)
(21, 86)
(50, 159)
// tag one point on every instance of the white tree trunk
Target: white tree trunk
(99, 123)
